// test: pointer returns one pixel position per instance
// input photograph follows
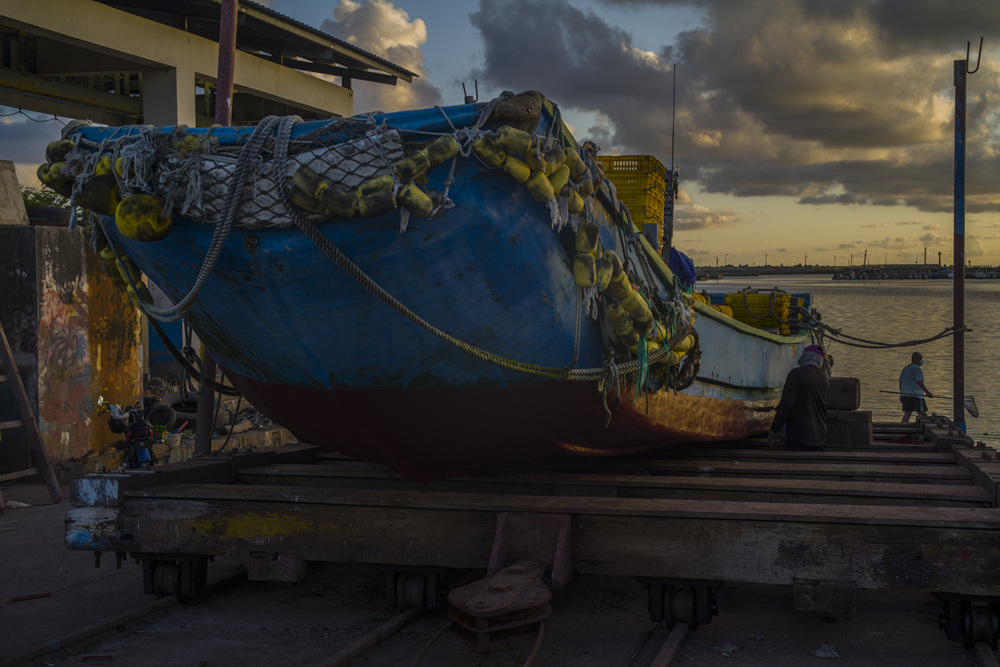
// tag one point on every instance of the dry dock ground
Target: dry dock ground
(101, 616)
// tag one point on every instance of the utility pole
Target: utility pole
(958, 322)
(228, 19)
(667, 228)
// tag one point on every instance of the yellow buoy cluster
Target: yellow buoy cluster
(53, 173)
(725, 310)
(627, 310)
(720, 308)
(119, 271)
(547, 171)
(140, 216)
(376, 196)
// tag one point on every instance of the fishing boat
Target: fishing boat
(445, 290)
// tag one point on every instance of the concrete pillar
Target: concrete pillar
(168, 96)
(11, 204)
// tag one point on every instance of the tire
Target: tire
(162, 415)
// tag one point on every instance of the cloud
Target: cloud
(847, 103)
(687, 218)
(874, 225)
(891, 243)
(24, 140)
(378, 26)
(934, 239)
(694, 252)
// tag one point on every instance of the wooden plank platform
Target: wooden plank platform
(921, 515)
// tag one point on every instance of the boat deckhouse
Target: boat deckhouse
(120, 62)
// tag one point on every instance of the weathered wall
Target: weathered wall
(73, 329)
(116, 355)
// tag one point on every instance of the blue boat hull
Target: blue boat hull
(456, 372)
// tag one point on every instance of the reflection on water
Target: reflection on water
(895, 311)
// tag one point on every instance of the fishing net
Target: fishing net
(194, 173)
(262, 205)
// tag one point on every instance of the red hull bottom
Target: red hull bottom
(441, 433)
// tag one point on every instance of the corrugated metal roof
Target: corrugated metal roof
(271, 35)
(323, 35)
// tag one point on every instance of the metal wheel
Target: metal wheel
(166, 579)
(981, 624)
(410, 590)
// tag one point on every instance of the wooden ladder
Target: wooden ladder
(43, 467)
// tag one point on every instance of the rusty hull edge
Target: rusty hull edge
(434, 434)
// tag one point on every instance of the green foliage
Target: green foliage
(42, 197)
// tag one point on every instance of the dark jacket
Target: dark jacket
(802, 409)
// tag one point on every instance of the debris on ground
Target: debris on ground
(727, 649)
(826, 651)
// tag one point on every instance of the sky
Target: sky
(804, 130)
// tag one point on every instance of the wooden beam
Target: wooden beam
(39, 455)
(635, 486)
(935, 549)
(39, 86)
(11, 476)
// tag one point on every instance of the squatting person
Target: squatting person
(802, 408)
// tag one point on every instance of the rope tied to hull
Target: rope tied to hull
(551, 372)
(234, 197)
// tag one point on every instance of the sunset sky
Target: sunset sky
(806, 130)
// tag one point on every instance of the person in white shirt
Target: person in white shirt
(912, 389)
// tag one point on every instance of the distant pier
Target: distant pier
(870, 272)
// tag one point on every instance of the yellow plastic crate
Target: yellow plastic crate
(761, 310)
(641, 186)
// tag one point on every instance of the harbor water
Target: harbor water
(898, 311)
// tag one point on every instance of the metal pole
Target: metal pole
(958, 340)
(666, 235)
(228, 12)
(673, 118)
